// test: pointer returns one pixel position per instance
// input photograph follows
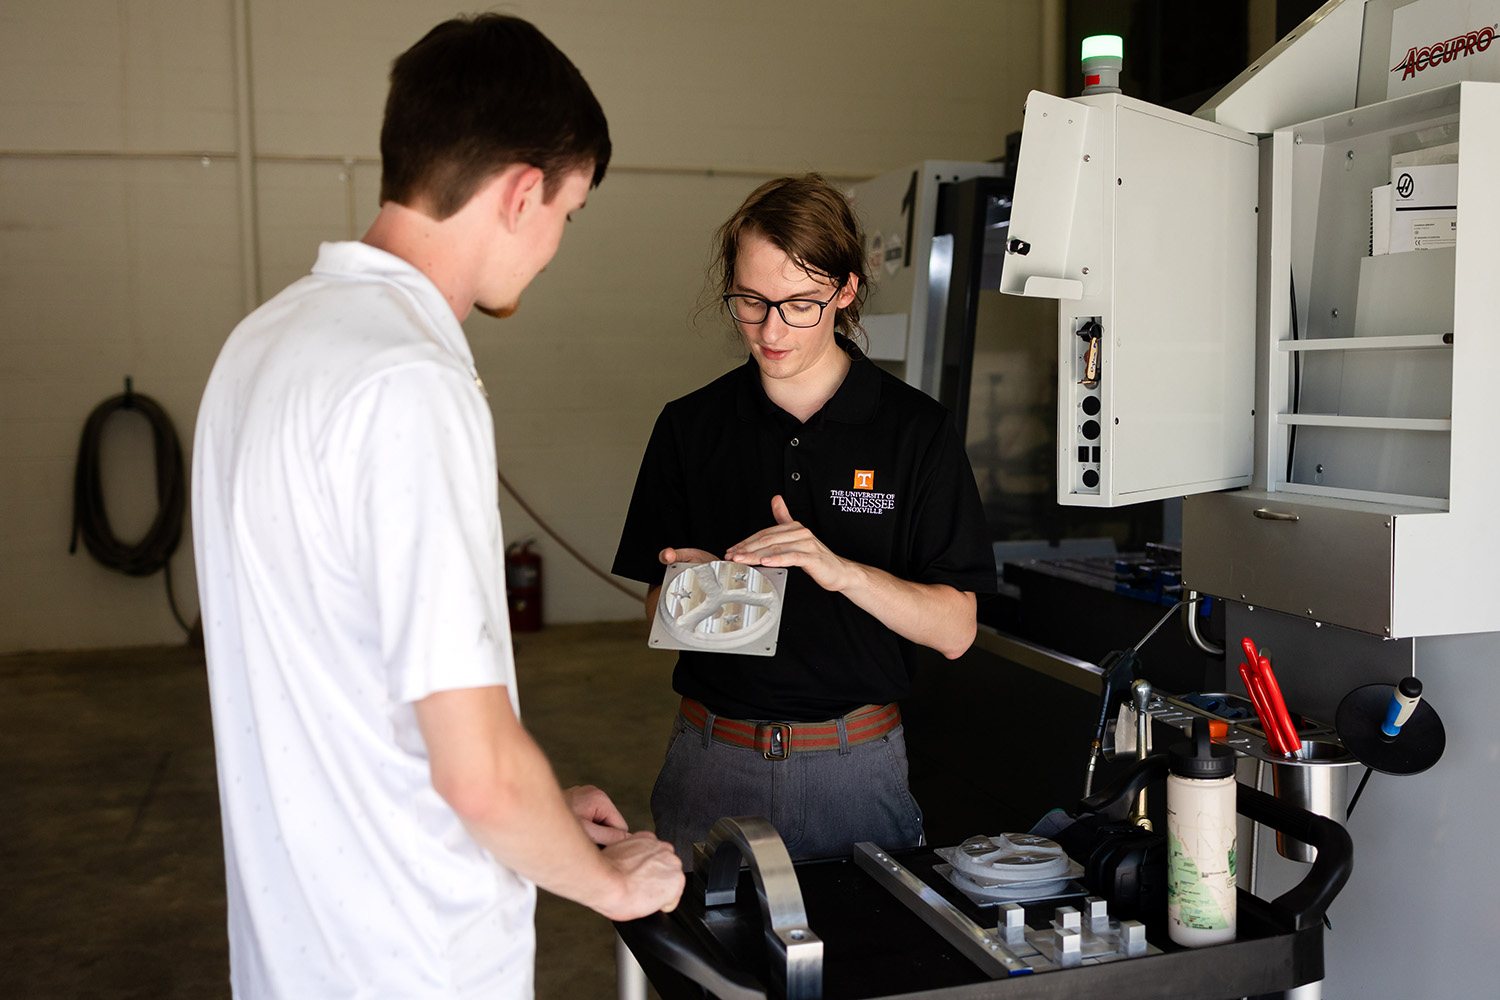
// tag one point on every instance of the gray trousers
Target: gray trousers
(822, 802)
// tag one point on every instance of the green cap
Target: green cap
(1103, 45)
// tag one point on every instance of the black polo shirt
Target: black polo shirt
(879, 475)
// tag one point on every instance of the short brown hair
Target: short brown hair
(810, 221)
(476, 95)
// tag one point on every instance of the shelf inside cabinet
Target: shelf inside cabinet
(1392, 502)
(1392, 343)
(1374, 423)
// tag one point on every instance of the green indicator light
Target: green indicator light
(1095, 46)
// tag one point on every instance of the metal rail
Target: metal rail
(981, 946)
(1059, 666)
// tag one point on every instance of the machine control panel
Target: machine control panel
(1084, 468)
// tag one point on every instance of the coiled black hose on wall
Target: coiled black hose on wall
(90, 520)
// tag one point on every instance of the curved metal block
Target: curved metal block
(796, 952)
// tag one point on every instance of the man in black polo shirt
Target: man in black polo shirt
(809, 457)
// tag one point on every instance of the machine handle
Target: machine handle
(1140, 694)
(1304, 904)
(1190, 625)
(1266, 514)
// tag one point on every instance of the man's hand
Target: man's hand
(667, 557)
(789, 543)
(933, 614)
(497, 781)
(601, 820)
(651, 877)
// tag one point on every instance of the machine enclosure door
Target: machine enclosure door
(1142, 223)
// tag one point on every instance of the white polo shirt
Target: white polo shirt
(350, 561)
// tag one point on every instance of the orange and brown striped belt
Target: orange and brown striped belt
(779, 740)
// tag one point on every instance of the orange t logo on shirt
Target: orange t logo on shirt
(864, 479)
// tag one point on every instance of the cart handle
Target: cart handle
(1304, 904)
(658, 937)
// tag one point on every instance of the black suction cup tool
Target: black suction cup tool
(1390, 729)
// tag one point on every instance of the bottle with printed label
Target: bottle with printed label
(1200, 841)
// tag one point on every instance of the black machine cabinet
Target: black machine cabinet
(874, 947)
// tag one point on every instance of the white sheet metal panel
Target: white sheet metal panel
(1056, 204)
(1142, 220)
(1184, 307)
(1311, 72)
(1446, 579)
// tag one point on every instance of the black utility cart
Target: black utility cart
(886, 925)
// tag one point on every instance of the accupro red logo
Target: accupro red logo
(1428, 56)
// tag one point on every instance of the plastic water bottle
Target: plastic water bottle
(1200, 841)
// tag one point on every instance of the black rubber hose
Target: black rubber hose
(90, 520)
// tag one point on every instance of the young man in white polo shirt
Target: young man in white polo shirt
(386, 817)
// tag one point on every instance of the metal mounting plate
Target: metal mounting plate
(719, 607)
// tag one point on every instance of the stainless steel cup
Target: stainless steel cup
(1318, 782)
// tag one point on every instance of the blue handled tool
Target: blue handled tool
(1403, 704)
(1389, 728)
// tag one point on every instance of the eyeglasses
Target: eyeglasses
(753, 309)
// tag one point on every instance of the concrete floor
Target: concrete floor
(111, 863)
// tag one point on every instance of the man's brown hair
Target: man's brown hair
(476, 95)
(810, 221)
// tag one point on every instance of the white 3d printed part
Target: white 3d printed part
(719, 607)
(1008, 866)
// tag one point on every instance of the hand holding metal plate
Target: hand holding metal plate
(720, 607)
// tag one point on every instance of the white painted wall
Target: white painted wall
(121, 245)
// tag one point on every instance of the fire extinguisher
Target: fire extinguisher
(523, 586)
